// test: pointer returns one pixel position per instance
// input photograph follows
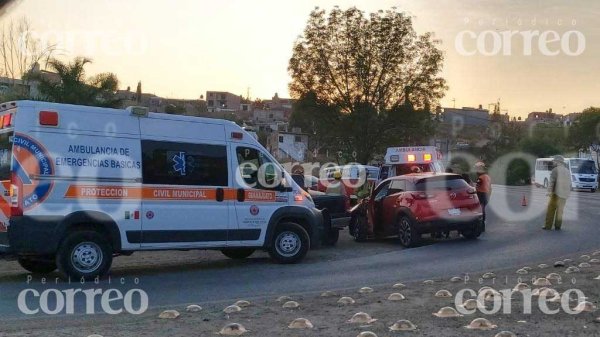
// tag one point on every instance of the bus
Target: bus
(584, 174)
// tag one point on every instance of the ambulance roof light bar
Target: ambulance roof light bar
(139, 111)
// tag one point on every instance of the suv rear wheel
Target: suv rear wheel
(407, 234)
(290, 243)
(84, 254)
(237, 254)
(37, 265)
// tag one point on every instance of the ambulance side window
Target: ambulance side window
(253, 163)
(384, 173)
(170, 163)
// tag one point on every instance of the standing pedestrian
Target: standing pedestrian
(559, 190)
(483, 186)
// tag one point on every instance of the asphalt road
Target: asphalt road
(513, 238)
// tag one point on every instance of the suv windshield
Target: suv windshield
(580, 166)
(441, 183)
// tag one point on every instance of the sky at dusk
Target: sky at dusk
(182, 48)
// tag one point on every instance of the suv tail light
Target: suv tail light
(16, 201)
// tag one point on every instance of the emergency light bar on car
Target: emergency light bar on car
(412, 154)
(411, 158)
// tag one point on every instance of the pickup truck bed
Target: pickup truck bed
(336, 213)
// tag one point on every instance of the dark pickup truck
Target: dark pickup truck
(335, 208)
(336, 214)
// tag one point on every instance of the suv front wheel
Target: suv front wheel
(290, 243)
(84, 255)
(407, 234)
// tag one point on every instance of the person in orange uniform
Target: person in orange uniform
(483, 186)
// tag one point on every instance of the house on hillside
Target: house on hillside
(288, 146)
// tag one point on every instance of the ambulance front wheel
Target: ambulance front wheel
(290, 243)
(84, 255)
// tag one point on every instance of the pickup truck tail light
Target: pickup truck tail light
(16, 200)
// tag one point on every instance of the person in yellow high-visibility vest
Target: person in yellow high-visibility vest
(336, 187)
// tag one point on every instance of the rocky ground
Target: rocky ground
(266, 317)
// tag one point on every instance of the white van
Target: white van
(83, 184)
(584, 174)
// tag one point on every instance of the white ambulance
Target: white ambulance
(411, 159)
(83, 184)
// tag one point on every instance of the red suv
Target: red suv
(419, 203)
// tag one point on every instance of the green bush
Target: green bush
(519, 173)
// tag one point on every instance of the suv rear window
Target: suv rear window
(441, 183)
(5, 155)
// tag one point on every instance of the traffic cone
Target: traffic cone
(524, 201)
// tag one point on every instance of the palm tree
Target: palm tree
(71, 86)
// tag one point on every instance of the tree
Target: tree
(72, 86)
(317, 118)
(540, 147)
(585, 132)
(19, 50)
(364, 66)
(175, 109)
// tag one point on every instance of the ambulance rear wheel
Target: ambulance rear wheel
(290, 243)
(237, 254)
(84, 255)
(37, 266)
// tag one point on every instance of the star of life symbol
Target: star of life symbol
(179, 163)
